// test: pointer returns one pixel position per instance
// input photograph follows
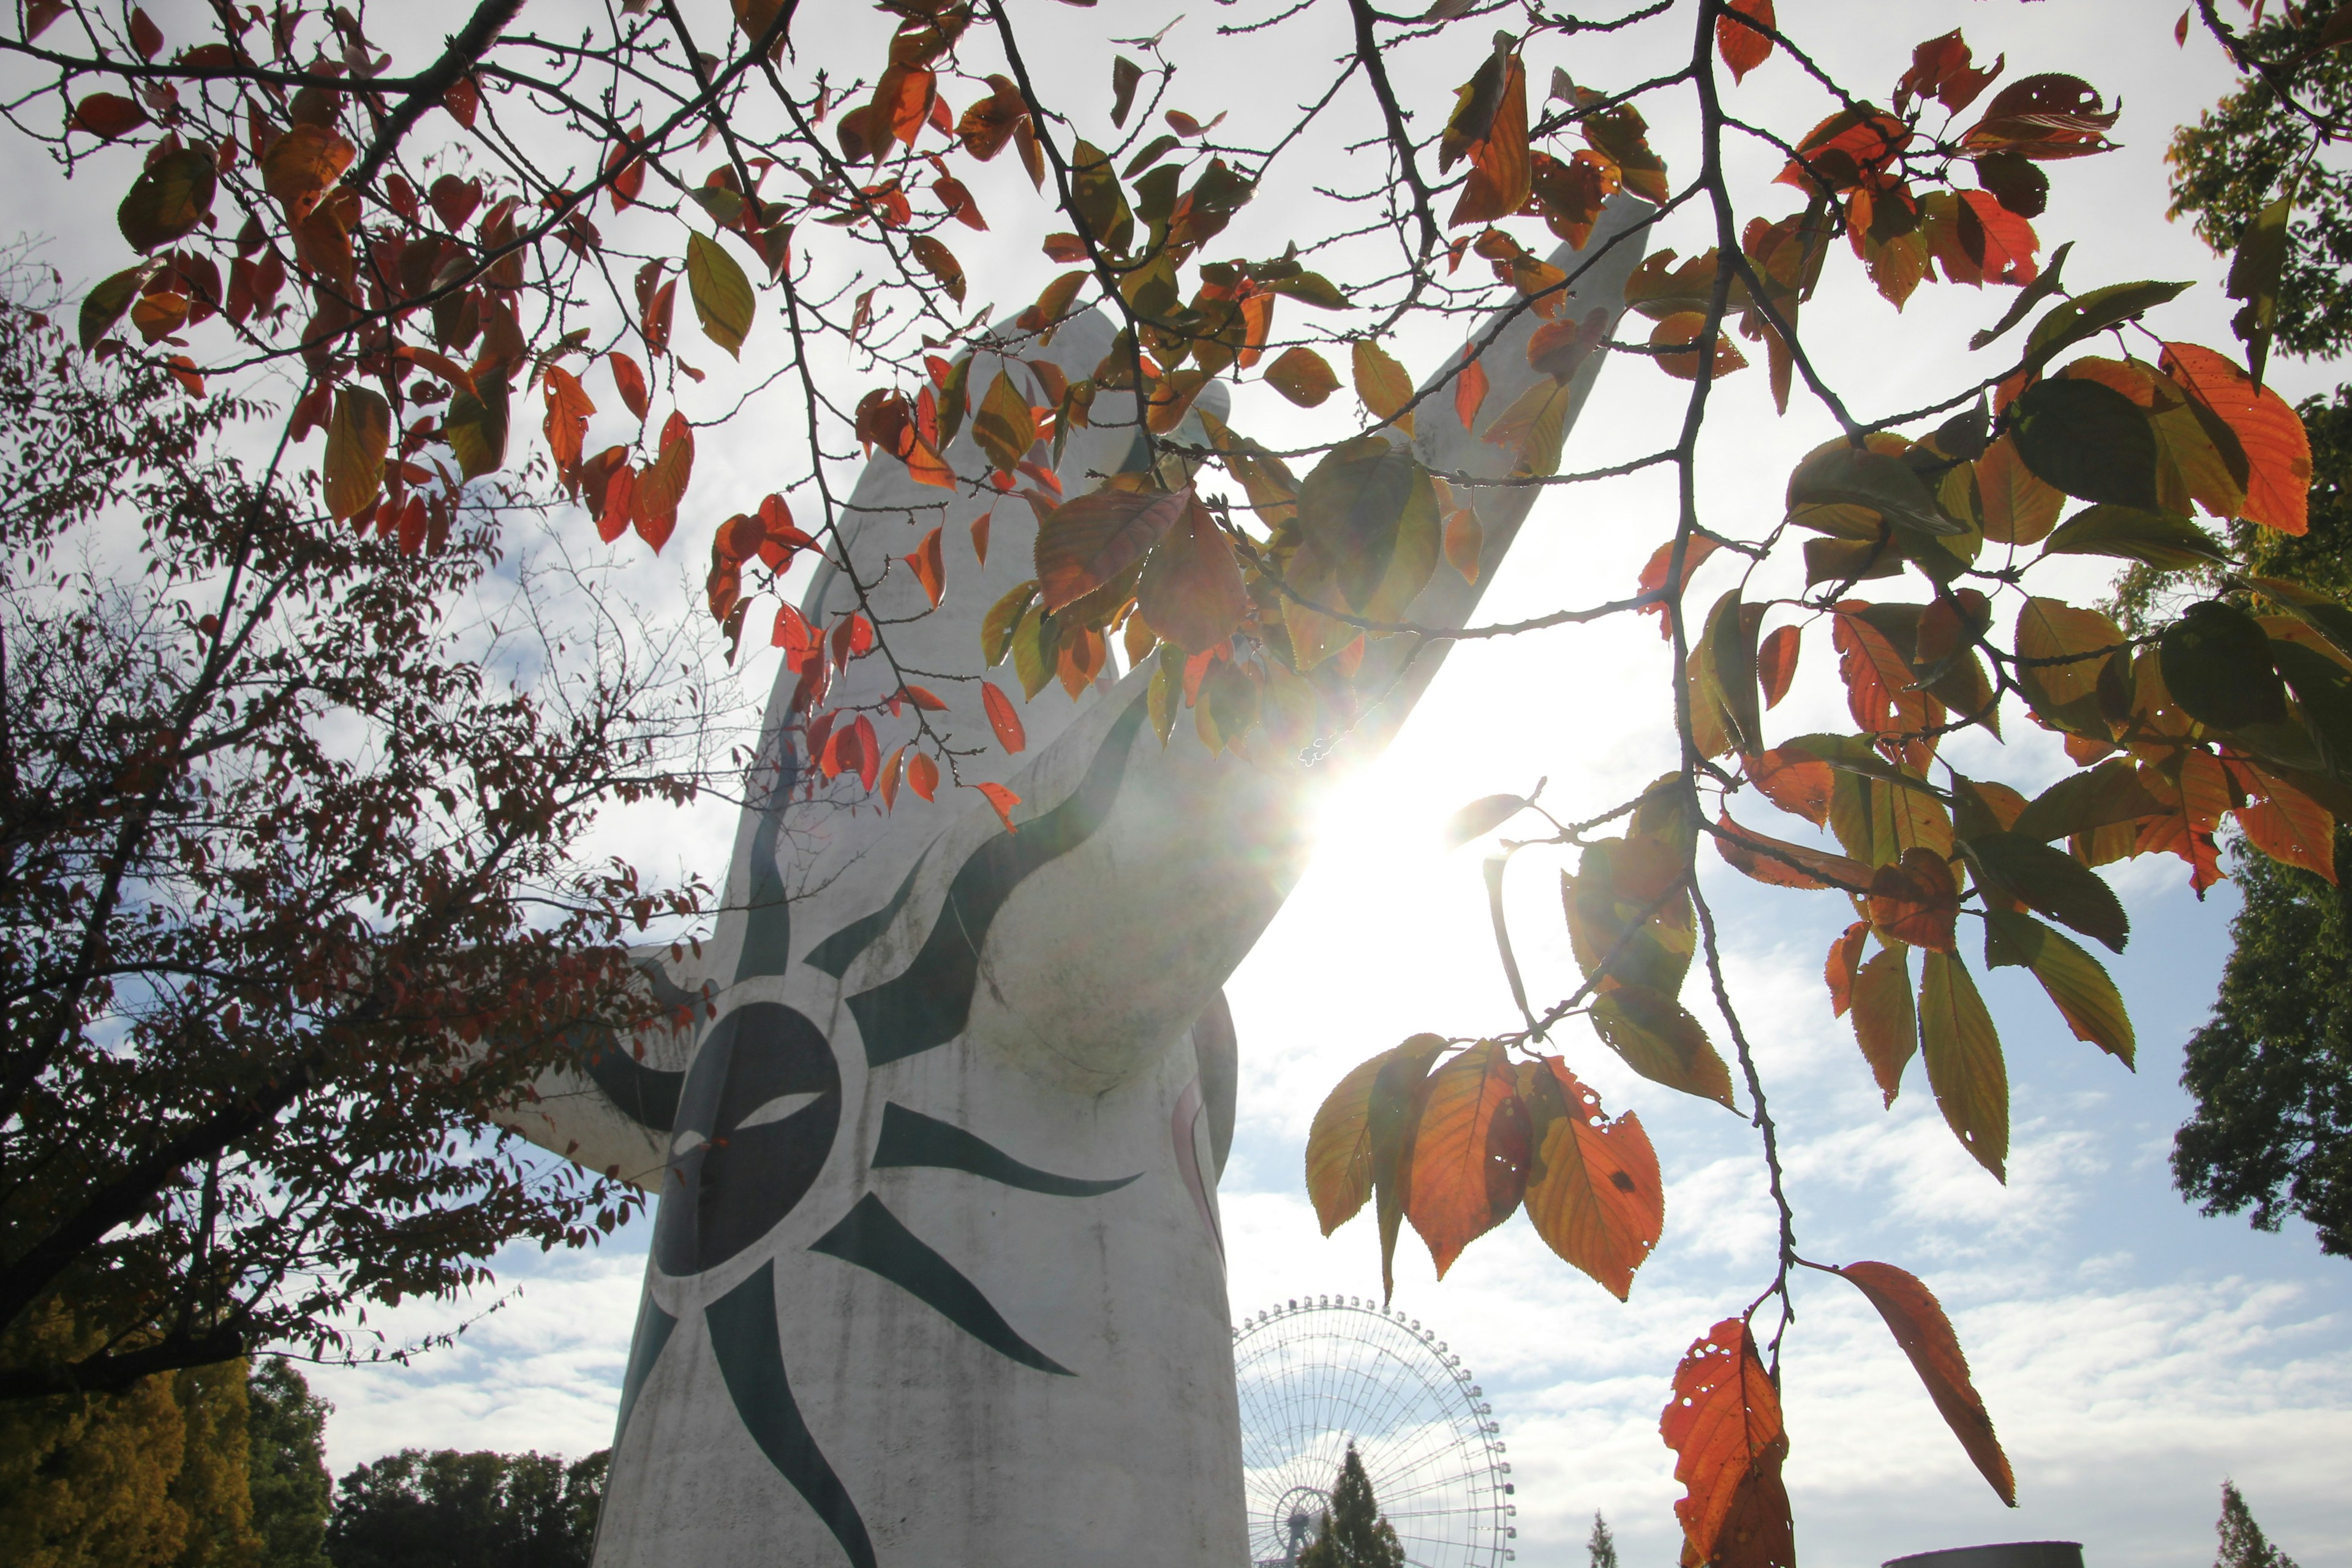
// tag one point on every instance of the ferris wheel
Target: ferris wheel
(1317, 1374)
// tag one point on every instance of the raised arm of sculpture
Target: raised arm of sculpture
(936, 1278)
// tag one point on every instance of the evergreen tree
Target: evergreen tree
(2243, 1544)
(287, 1466)
(1354, 1533)
(1602, 1547)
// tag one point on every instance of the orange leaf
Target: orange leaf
(1003, 800)
(631, 382)
(1724, 1426)
(620, 499)
(1743, 47)
(2278, 450)
(1845, 958)
(1084, 543)
(930, 570)
(1776, 663)
(1796, 781)
(1677, 339)
(1593, 1190)
(1654, 576)
(2020, 507)
(1469, 1153)
(923, 775)
(568, 407)
(1465, 540)
(1916, 901)
(1501, 174)
(1469, 392)
(924, 700)
(869, 750)
(891, 780)
(1917, 1321)
(1001, 718)
(1879, 686)
(2283, 822)
(1885, 1023)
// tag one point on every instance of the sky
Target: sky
(2132, 1353)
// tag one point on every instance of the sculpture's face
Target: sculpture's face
(755, 1123)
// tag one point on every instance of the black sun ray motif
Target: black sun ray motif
(753, 1118)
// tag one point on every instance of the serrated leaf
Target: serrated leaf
(1843, 475)
(1724, 1426)
(2163, 539)
(996, 627)
(2085, 316)
(1917, 1321)
(2079, 803)
(2087, 439)
(1469, 1153)
(1660, 1039)
(2050, 881)
(1091, 539)
(1385, 386)
(1885, 1025)
(1593, 1192)
(1302, 375)
(1004, 426)
(1191, 589)
(359, 432)
(2077, 983)
(1964, 1061)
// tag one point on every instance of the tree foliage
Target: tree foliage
(290, 898)
(1354, 1532)
(292, 1494)
(452, 1510)
(447, 251)
(2243, 1545)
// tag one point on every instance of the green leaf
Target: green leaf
(722, 295)
(1096, 199)
(358, 433)
(1036, 651)
(2163, 539)
(1964, 1062)
(1159, 147)
(2216, 661)
(476, 426)
(1730, 646)
(2096, 797)
(1885, 1024)
(996, 627)
(1659, 1039)
(2254, 274)
(2076, 980)
(2324, 691)
(2088, 439)
(1124, 75)
(109, 300)
(1391, 1114)
(2050, 881)
(169, 199)
(2087, 315)
(1004, 426)
(1308, 288)
(1844, 475)
(2031, 295)
(1358, 503)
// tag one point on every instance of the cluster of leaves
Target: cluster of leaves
(419, 277)
(291, 901)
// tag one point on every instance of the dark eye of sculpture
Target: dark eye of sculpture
(754, 1125)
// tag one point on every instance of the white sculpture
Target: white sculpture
(937, 1279)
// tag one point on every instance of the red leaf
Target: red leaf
(1084, 543)
(1469, 392)
(869, 750)
(923, 774)
(568, 407)
(1916, 901)
(631, 382)
(1776, 663)
(627, 170)
(107, 115)
(2283, 822)
(145, 36)
(2277, 449)
(620, 502)
(1743, 47)
(1003, 800)
(1917, 1321)
(1001, 718)
(889, 785)
(930, 570)
(1813, 868)
(1191, 589)
(1724, 1426)
(463, 100)
(924, 700)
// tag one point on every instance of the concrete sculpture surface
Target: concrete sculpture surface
(937, 1278)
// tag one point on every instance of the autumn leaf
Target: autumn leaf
(1191, 589)
(1361, 1141)
(923, 775)
(1964, 1061)
(170, 198)
(1743, 47)
(568, 408)
(1724, 1426)
(1385, 386)
(930, 568)
(1469, 1153)
(630, 382)
(1776, 663)
(1000, 799)
(2278, 450)
(1593, 1192)
(2077, 982)
(1301, 376)
(1465, 542)
(1004, 426)
(1796, 781)
(358, 434)
(722, 293)
(1003, 717)
(1916, 901)
(1469, 392)
(1885, 1024)
(1917, 1321)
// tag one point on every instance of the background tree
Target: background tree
(1354, 1532)
(1601, 1551)
(2243, 1545)
(452, 1510)
(292, 1494)
(405, 245)
(289, 899)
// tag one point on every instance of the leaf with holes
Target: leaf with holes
(1724, 1426)
(1593, 1192)
(1301, 376)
